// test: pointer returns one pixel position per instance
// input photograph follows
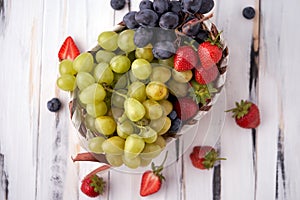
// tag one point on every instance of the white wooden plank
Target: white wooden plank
(20, 55)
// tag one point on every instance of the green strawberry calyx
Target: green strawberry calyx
(98, 184)
(216, 40)
(201, 93)
(158, 169)
(210, 158)
(241, 109)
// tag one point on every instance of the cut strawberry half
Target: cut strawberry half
(68, 50)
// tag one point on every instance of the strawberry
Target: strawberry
(185, 58)
(204, 157)
(93, 186)
(68, 50)
(210, 52)
(205, 76)
(246, 114)
(152, 179)
(186, 108)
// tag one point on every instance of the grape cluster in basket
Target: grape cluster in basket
(144, 80)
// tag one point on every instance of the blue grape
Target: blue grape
(117, 4)
(207, 5)
(163, 50)
(161, 6)
(146, 4)
(146, 17)
(129, 20)
(175, 6)
(142, 36)
(191, 6)
(202, 36)
(160, 35)
(169, 20)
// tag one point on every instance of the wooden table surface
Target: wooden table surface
(36, 145)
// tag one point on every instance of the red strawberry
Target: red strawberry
(93, 186)
(152, 179)
(204, 157)
(185, 58)
(246, 114)
(210, 52)
(68, 50)
(205, 76)
(186, 108)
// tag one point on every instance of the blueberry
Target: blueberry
(146, 4)
(161, 6)
(175, 125)
(172, 115)
(169, 20)
(207, 5)
(191, 6)
(53, 105)
(249, 13)
(129, 20)
(147, 17)
(163, 50)
(117, 4)
(142, 36)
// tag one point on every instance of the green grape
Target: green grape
(91, 94)
(66, 67)
(125, 129)
(114, 160)
(166, 105)
(108, 40)
(90, 122)
(153, 109)
(84, 79)
(134, 110)
(120, 81)
(145, 162)
(104, 56)
(96, 109)
(117, 113)
(141, 69)
(137, 90)
(168, 62)
(84, 62)
(182, 77)
(120, 64)
(150, 151)
(161, 74)
(66, 82)
(156, 90)
(145, 53)
(105, 125)
(118, 100)
(148, 134)
(166, 126)
(134, 145)
(178, 89)
(131, 163)
(95, 144)
(158, 124)
(103, 73)
(114, 145)
(125, 40)
(160, 141)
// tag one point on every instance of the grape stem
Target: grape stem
(113, 91)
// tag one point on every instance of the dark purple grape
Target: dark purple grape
(161, 6)
(175, 6)
(160, 35)
(191, 6)
(117, 4)
(207, 5)
(175, 125)
(191, 28)
(169, 20)
(53, 105)
(163, 50)
(202, 36)
(129, 20)
(147, 17)
(142, 36)
(146, 4)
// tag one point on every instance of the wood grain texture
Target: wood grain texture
(36, 145)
